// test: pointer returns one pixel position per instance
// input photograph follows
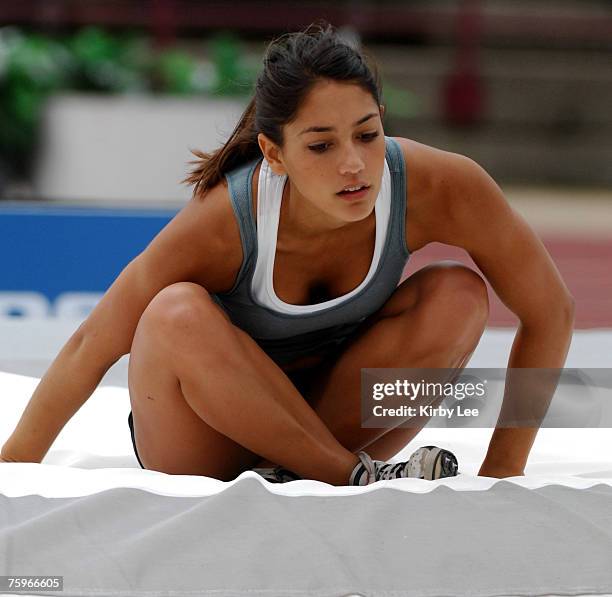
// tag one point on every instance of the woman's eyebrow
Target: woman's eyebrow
(323, 129)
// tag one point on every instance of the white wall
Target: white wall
(136, 148)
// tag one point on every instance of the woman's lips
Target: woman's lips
(353, 194)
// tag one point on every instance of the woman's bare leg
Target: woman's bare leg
(207, 400)
(435, 318)
(396, 439)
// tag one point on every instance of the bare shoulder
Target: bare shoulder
(200, 244)
(456, 202)
(210, 223)
(432, 175)
(203, 240)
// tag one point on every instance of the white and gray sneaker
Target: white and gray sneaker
(428, 462)
(278, 474)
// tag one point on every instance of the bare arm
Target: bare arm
(78, 368)
(474, 214)
(67, 384)
(187, 249)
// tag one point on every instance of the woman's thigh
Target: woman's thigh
(169, 436)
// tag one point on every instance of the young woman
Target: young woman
(250, 315)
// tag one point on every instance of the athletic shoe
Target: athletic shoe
(278, 474)
(428, 462)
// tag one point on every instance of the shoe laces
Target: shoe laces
(369, 466)
(385, 470)
(379, 470)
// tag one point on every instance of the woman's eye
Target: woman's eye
(318, 148)
(321, 147)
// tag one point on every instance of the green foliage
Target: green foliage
(34, 66)
(31, 67)
(233, 75)
(109, 63)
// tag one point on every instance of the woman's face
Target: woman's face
(320, 163)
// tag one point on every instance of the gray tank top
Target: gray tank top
(283, 335)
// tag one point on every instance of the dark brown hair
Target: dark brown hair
(293, 63)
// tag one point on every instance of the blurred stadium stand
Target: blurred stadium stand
(522, 87)
(518, 22)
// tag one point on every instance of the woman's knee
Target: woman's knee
(457, 288)
(453, 307)
(181, 310)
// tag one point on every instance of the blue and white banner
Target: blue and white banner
(58, 261)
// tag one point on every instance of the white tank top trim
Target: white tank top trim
(269, 198)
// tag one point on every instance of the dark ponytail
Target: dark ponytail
(293, 63)
(241, 147)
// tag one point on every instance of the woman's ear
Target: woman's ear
(382, 111)
(272, 154)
